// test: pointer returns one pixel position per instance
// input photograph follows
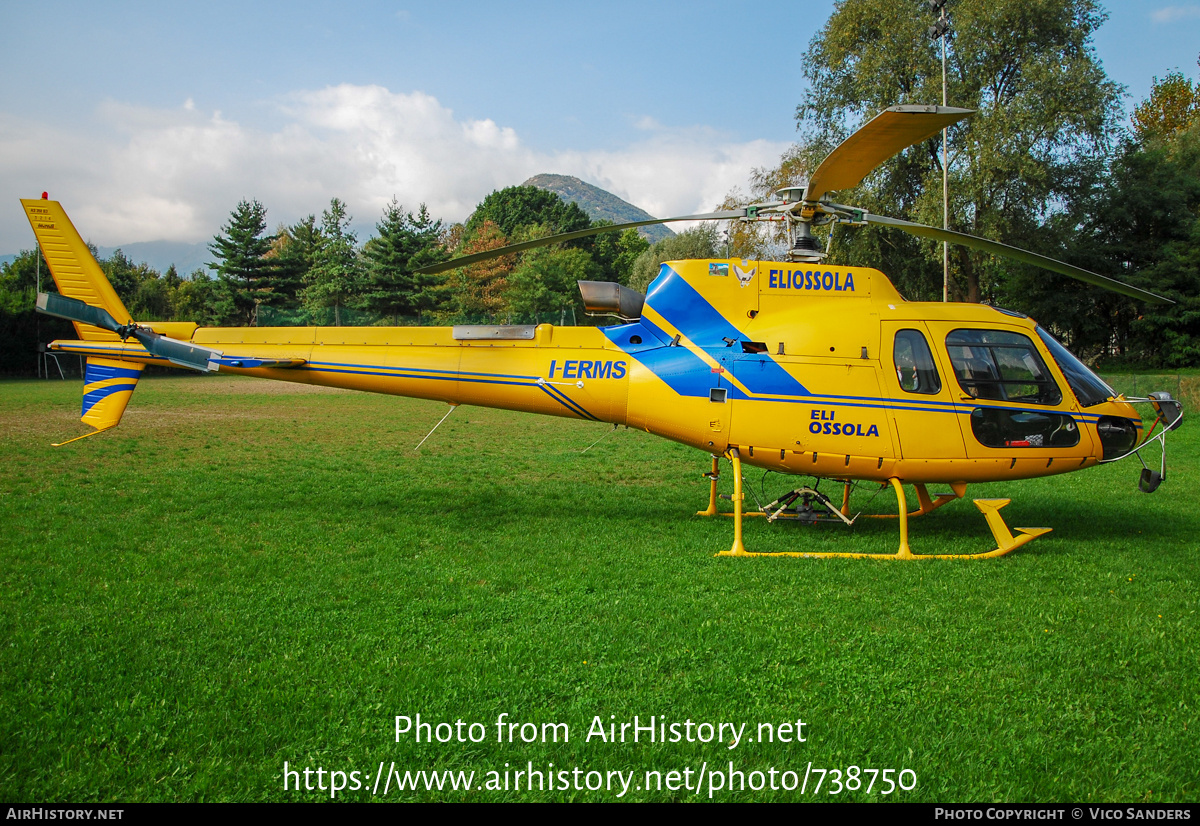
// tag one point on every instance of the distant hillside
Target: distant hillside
(599, 204)
(160, 255)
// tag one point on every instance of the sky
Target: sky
(150, 121)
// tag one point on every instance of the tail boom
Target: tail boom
(571, 372)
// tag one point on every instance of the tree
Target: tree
(242, 266)
(194, 299)
(478, 289)
(152, 299)
(1045, 115)
(404, 242)
(1142, 226)
(518, 207)
(293, 253)
(21, 275)
(122, 273)
(336, 277)
(614, 253)
(1174, 103)
(545, 282)
(21, 327)
(698, 242)
(145, 294)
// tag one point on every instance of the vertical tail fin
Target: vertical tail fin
(72, 266)
(107, 387)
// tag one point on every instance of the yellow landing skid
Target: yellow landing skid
(990, 508)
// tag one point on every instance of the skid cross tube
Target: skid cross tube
(1006, 542)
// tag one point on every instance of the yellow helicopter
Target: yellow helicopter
(801, 367)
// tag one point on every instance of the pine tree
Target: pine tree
(336, 278)
(293, 253)
(404, 242)
(242, 267)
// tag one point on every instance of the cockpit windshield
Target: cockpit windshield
(1088, 388)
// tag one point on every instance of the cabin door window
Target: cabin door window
(913, 360)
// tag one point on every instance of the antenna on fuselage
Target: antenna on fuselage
(436, 426)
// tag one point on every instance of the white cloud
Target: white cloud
(174, 174)
(1172, 14)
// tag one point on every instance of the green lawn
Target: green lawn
(246, 573)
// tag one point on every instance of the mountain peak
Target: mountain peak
(598, 203)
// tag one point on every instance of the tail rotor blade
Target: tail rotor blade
(72, 309)
(1017, 254)
(178, 352)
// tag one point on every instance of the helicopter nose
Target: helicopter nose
(1118, 435)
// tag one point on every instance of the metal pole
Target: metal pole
(945, 181)
(37, 318)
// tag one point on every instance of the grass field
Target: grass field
(247, 573)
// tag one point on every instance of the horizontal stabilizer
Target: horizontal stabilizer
(246, 362)
(179, 353)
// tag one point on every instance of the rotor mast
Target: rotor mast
(938, 30)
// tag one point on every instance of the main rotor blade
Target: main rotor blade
(1004, 250)
(463, 261)
(893, 129)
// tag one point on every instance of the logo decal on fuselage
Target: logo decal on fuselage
(810, 280)
(743, 276)
(824, 421)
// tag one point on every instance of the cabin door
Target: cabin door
(1014, 410)
(917, 380)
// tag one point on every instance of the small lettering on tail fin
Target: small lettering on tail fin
(107, 388)
(75, 271)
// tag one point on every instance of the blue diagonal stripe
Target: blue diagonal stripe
(94, 397)
(103, 372)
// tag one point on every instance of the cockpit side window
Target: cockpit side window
(1088, 388)
(914, 364)
(999, 365)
